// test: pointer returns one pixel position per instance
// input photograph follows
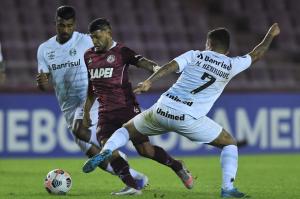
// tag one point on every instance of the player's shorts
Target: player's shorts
(160, 119)
(111, 121)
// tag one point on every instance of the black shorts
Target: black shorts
(111, 121)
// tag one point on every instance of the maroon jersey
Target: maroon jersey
(108, 75)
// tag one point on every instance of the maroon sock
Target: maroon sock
(161, 156)
(121, 168)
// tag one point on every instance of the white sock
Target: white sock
(118, 139)
(135, 174)
(93, 139)
(229, 163)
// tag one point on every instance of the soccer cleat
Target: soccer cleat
(232, 193)
(96, 160)
(186, 177)
(127, 191)
(143, 182)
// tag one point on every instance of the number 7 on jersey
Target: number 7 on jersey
(211, 80)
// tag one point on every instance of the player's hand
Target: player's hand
(274, 30)
(42, 80)
(142, 87)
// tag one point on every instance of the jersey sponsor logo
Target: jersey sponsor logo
(110, 59)
(176, 98)
(168, 115)
(90, 60)
(50, 55)
(218, 63)
(101, 73)
(66, 64)
(72, 52)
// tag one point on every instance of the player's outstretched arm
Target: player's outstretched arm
(148, 65)
(163, 71)
(42, 80)
(259, 50)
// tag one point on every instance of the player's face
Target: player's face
(101, 39)
(64, 29)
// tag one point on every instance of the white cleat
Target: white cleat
(127, 191)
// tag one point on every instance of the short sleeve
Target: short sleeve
(184, 59)
(130, 56)
(42, 65)
(240, 63)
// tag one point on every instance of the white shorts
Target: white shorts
(160, 119)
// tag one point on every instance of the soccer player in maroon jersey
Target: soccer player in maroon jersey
(107, 64)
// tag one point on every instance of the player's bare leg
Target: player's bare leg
(113, 167)
(158, 154)
(121, 137)
(229, 164)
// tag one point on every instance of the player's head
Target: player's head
(65, 23)
(218, 40)
(101, 34)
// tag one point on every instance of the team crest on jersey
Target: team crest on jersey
(50, 55)
(110, 59)
(72, 52)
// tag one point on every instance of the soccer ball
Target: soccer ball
(58, 182)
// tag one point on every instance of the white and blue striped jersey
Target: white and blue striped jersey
(204, 76)
(65, 63)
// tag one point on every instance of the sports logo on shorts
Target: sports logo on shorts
(73, 52)
(110, 59)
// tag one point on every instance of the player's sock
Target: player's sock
(229, 163)
(118, 139)
(161, 156)
(135, 174)
(121, 168)
(121, 137)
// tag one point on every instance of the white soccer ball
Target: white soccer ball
(58, 182)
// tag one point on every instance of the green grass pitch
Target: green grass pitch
(261, 176)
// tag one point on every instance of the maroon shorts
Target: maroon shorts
(111, 121)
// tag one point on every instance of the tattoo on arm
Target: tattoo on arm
(164, 70)
(146, 64)
(259, 51)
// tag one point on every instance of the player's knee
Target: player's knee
(224, 139)
(227, 139)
